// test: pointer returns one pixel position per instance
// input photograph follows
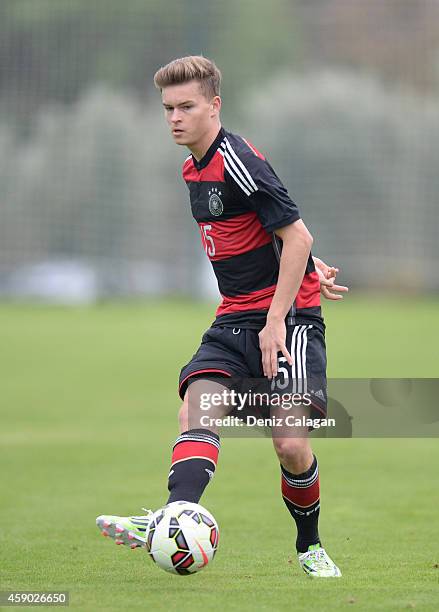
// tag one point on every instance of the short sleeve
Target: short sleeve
(256, 183)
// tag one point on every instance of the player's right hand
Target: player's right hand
(271, 342)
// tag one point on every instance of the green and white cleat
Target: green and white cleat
(128, 530)
(316, 563)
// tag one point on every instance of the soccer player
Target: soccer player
(269, 317)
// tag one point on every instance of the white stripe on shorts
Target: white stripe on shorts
(299, 343)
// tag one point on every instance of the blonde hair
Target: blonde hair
(191, 68)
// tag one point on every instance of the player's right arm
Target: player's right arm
(257, 185)
(297, 242)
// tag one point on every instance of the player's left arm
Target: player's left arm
(296, 247)
(327, 275)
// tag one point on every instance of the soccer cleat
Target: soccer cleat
(128, 530)
(316, 563)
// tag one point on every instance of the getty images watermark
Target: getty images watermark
(238, 403)
(342, 408)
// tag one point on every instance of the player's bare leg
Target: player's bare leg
(183, 416)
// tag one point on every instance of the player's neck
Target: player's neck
(200, 149)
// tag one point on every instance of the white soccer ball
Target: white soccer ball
(182, 537)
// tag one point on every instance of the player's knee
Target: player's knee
(291, 450)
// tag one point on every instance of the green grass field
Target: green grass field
(88, 405)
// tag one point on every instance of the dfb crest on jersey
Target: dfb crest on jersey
(215, 204)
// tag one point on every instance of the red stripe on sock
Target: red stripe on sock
(186, 450)
(301, 496)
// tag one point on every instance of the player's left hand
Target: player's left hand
(327, 275)
(271, 342)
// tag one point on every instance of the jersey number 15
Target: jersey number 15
(208, 243)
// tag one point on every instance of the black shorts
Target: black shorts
(234, 352)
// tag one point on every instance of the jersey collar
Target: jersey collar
(199, 165)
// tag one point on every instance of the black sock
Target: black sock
(301, 494)
(194, 460)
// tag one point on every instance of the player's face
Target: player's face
(189, 114)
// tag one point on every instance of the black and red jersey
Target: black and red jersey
(238, 201)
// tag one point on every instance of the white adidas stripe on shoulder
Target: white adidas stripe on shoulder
(234, 173)
(237, 170)
(241, 165)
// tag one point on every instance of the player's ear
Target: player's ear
(215, 105)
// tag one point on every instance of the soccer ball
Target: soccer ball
(182, 537)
